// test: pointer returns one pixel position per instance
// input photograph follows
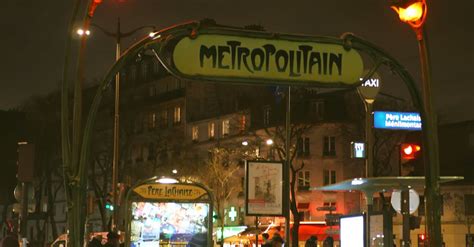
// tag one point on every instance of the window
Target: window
(271, 153)
(144, 70)
(317, 109)
(243, 123)
(151, 152)
(156, 67)
(152, 91)
(225, 127)
(304, 215)
(329, 146)
(177, 115)
(164, 118)
(303, 180)
(302, 146)
(151, 121)
(211, 130)
(132, 76)
(329, 204)
(329, 177)
(195, 133)
(266, 116)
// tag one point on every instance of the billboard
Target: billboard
(352, 231)
(397, 120)
(264, 188)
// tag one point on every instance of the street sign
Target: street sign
(333, 216)
(170, 191)
(358, 150)
(370, 88)
(396, 200)
(236, 55)
(326, 208)
(397, 120)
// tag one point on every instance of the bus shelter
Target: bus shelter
(372, 185)
(167, 212)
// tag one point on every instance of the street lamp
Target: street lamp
(414, 12)
(118, 35)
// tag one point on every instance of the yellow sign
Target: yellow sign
(227, 56)
(170, 191)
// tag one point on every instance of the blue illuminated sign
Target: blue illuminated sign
(397, 120)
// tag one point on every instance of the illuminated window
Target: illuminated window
(266, 116)
(195, 133)
(225, 127)
(243, 123)
(177, 115)
(329, 177)
(211, 130)
(329, 146)
(303, 180)
(151, 121)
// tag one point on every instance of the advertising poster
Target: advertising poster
(264, 183)
(160, 223)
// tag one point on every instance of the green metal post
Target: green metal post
(430, 144)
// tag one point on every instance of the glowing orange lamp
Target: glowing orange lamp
(412, 12)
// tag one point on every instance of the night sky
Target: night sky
(34, 33)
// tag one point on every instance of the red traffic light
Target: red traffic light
(422, 236)
(409, 150)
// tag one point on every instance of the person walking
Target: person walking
(96, 241)
(266, 240)
(112, 240)
(11, 239)
(311, 242)
(277, 240)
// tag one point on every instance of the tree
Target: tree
(42, 115)
(219, 174)
(278, 135)
(456, 203)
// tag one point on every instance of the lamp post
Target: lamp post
(413, 12)
(118, 35)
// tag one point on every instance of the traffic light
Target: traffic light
(109, 205)
(411, 163)
(421, 240)
(409, 151)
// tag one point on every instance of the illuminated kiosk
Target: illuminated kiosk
(168, 212)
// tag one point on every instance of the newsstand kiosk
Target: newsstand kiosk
(167, 212)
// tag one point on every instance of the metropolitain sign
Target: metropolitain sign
(397, 120)
(234, 57)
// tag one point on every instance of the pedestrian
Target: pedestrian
(277, 240)
(96, 241)
(266, 240)
(328, 242)
(311, 242)
(112, 240)
(11, 239)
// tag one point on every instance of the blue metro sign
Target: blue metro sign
(397, 120)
